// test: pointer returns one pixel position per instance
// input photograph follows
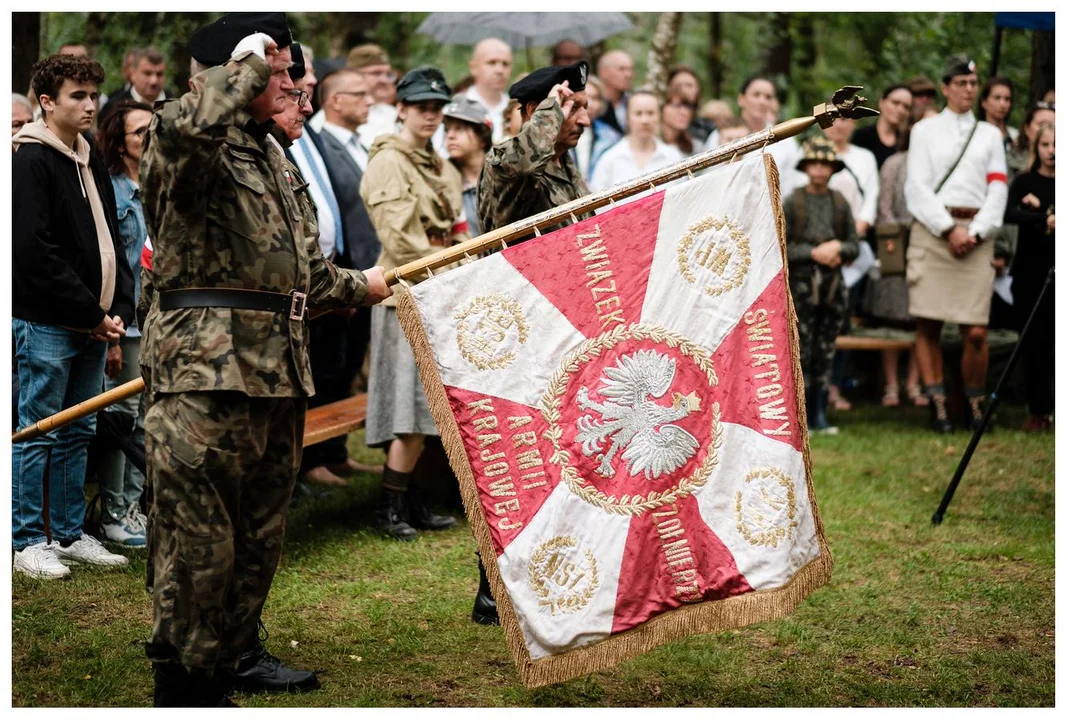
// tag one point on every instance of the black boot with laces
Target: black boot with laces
(260, 671)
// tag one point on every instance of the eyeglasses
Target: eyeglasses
(1043, 105)
(387, 74)
(299, 97)
(139, 132)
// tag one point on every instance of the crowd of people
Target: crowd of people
(907, 220)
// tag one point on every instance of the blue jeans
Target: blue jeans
(57, 369)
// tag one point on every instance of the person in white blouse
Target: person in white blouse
(956, 190)
(756, 99)
(859, 182)
(640, 151)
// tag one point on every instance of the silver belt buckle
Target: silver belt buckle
(299, 305)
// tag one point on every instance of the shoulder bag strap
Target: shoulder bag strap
(959, 157)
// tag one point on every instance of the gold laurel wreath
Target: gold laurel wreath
(772, 536)
(628, 504)
(742, 247)
(537, 579)
(463, 332)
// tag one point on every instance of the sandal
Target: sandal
(834, 397)
(915, 394)
(891, 398)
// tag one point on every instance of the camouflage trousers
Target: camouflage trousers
(819, 320)
(222, 467)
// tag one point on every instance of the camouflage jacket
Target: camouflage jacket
(225, 209)
(521, 177)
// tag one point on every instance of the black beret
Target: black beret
(957, 65)
(212, 44)
(535, 87)
(297, 69)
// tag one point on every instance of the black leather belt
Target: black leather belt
(294, 303)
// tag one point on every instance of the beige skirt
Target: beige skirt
(942, 287)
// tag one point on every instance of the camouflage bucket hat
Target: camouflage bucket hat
(820, 149)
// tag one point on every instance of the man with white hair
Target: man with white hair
(21, 112)
(491, 67)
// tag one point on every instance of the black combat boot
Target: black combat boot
(420, 516)
(260, 671)
(939, 415)
(485, 612)
(976, 409)
(391, 515)
(177, 687)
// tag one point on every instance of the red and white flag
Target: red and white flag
(622, 402)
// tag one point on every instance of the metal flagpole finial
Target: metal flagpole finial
(844, 103)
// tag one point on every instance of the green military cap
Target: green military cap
(422, 84)
(820, 149)
(212, 44)
(535, 87)
(957, 65)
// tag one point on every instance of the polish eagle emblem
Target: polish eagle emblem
(633, 422)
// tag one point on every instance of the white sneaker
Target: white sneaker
(88, 550)
(40, 561)
(128, 531)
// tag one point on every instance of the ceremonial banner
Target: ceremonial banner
(622, 402)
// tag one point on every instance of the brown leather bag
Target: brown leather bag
(891, 242)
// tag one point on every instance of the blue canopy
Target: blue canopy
(1025, 20)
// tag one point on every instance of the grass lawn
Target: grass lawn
(915, 615)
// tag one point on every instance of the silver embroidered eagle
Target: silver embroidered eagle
(633, 422)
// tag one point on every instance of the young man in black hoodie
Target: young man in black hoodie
(72, 295)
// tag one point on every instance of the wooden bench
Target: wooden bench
(336, 419)
(855, 342)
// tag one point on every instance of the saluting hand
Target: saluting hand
(377, 290)
(562, 95)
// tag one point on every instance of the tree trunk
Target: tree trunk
(662, 52)
(715, 54)
(778, 61)
(95, 24)
(27, 27)
(1042, 63)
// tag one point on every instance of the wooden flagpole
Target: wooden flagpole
(844, 103)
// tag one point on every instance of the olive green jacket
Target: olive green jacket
(411, 194)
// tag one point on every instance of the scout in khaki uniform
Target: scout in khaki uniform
(820, 236)
(956, 190)
(234, 270)
(534, 171)
(415, 200)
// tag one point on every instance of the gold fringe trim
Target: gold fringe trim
(705, 617)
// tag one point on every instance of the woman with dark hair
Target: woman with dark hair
(995, 104)
(468, 137)
(683, 81)
(415, 201)
(676, 119)
(119, 141)
(883, 136)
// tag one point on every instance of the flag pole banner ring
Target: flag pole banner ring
(622, 402)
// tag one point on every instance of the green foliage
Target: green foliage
(956, 615)
(869, 49)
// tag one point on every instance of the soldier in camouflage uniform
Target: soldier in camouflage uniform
(235, 261)
(820, 236)
(534, 171)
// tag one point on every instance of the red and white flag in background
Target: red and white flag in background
(621, 401)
